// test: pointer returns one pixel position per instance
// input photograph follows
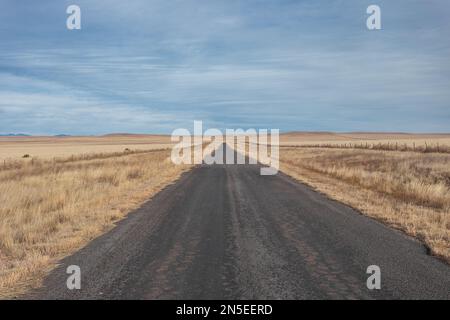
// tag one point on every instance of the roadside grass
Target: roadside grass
(407, 190)
(51, 208)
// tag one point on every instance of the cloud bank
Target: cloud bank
(153, 66)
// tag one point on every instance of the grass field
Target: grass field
(407, 190)
(14, 148)
(52, 207)
(310, 138)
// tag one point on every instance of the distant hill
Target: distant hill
(62, 135)
(299, 136)
(14, 135)
(133, 135)
(118, 134)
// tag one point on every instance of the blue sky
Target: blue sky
(153, 66)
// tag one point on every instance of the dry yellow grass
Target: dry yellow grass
(50, 208)
(14, 148)
(392, 141)
(407, 190)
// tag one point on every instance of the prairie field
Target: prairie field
(375, 141)
(51, 207)
(408, 190)
(15, 148)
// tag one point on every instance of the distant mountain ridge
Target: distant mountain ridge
(14, 135)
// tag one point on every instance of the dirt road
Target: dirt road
(225, 232)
